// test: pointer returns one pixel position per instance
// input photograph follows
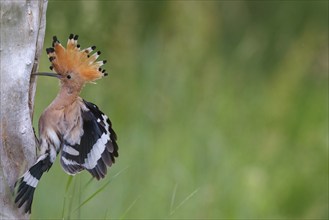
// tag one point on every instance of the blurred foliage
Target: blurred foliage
(221, 109)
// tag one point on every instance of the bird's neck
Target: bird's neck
(64, 98)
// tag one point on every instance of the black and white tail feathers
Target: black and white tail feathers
(97, 148)
(29, 181)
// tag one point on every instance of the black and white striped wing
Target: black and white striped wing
(97, 148)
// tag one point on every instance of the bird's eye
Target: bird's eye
(68, 76)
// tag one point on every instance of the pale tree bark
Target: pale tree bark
(22, 34)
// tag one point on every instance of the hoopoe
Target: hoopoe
(71, 125)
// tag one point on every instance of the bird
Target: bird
(70, 125)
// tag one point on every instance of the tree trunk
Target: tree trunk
(22, 34)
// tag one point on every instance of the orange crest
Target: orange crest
(73, 60)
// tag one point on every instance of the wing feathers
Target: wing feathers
(97, 147)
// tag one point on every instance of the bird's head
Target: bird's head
(74, 67)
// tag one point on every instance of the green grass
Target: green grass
(73, 204)
(221, 109)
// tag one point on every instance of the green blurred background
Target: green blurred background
(221, 109)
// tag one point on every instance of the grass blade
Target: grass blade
(69, 181)
(129, 207)
(185, 200)
(79, 196)
(88, 183)
(173, 198)
(71, 201)
(100, 189)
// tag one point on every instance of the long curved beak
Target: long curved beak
(47, 74)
